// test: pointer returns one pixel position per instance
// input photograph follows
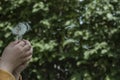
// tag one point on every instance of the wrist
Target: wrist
(5, 67)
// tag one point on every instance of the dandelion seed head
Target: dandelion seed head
(20, 29)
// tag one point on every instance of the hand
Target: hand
(14, 55)
(20, 68)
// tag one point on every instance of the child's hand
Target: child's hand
(14, 55)
(20, 68)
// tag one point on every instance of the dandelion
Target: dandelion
(20, 29)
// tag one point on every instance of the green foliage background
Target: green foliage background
(72, 39)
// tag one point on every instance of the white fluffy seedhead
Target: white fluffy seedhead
(20, 29)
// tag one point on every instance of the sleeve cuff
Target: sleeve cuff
(6, 75)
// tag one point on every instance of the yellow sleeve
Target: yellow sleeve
(6, 75)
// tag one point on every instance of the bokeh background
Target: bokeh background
(72, 39)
